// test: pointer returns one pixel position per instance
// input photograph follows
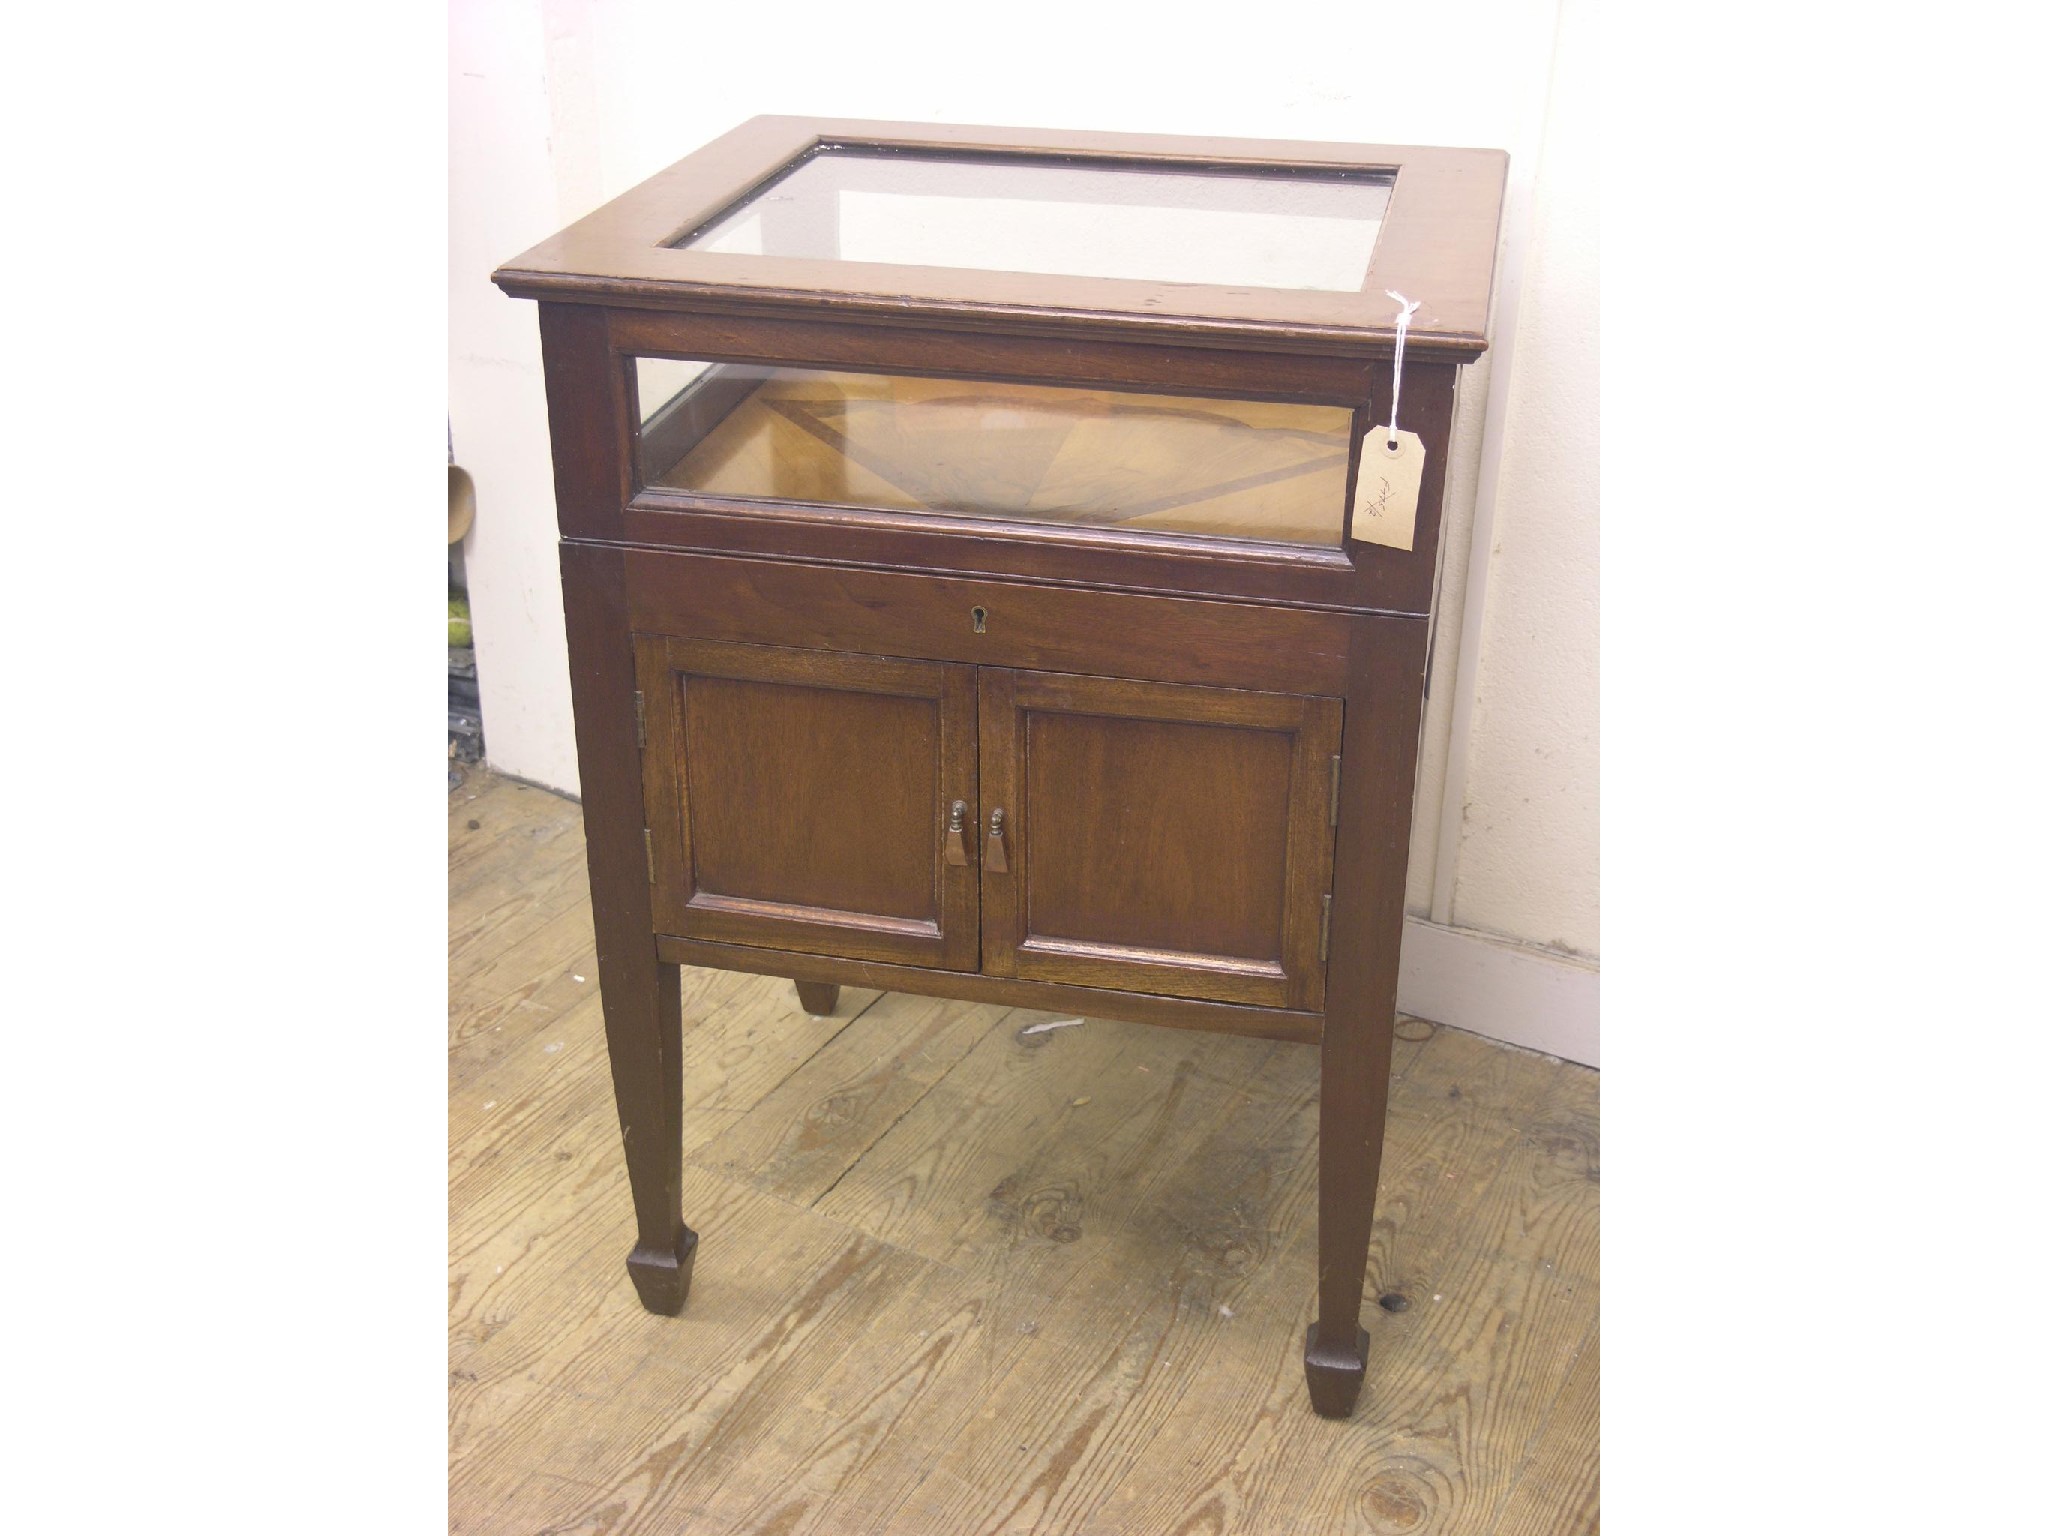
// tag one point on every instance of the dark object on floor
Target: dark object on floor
(465, 714)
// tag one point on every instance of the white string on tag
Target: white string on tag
(1388, 490)
(1408, 307)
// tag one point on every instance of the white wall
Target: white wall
(558, 105)
(503, 187)
(1529, 847)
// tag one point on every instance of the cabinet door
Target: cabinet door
(1157, 837)
(800, 800)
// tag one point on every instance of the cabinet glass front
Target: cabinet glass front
(1235, 469)
(1260, 227)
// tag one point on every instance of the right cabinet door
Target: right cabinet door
(1156, 837)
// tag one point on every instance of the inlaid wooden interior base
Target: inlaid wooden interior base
(1334, 1373)
(1226, 468)
(662, 1276)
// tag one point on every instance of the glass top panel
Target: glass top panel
(1262, 228)
(1234, 469)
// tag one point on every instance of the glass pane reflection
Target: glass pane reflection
(1235, 469)
(1111, 218)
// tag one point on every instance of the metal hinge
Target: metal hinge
(1323, 953)
(648, 834)
(1336, 772)
(640, 719)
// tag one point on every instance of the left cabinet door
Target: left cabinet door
(801, 799)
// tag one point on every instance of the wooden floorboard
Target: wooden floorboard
(959, 1278)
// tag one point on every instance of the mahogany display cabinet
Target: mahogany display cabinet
(963, 598)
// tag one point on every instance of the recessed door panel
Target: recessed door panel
(800, 800)
(1156, 837)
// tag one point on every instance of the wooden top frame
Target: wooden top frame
(1436, 245)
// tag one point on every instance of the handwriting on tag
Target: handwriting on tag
(1389, 485)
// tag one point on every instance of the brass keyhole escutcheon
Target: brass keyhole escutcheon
(980, 617)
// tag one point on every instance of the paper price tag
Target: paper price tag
(1389, 486)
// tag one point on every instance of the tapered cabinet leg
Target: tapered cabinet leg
(817, 997)
(646, 1047)
(642, 997)
(1383, 701)
(1353, 1118)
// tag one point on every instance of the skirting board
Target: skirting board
(1527, 997)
